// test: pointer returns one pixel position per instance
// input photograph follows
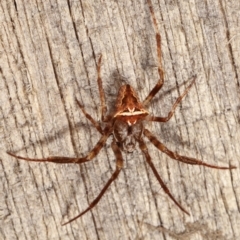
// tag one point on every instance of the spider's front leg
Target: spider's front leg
(178, 157)
(144, 149)
(119, 165)
(60, 159)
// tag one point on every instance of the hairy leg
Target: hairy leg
(60, 159)
(89, 117)
(100, 88)
(144, 149)
(177, 102)
(176, 156)
(119, 165)
(160, 82)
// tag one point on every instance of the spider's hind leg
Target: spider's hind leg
(102, 100)
(90, 118)
(174, 106)
(101, 90)
(160, 82)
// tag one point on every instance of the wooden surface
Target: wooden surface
(48, 54)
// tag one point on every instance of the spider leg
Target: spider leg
(176, 156)
(170, 114)
(60, 159)
(89, 117)
(160, 82)
(119, 165)
(144, 149)
(101, 91)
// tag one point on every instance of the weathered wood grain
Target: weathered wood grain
(48, 55)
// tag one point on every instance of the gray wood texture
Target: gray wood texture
(48, 54)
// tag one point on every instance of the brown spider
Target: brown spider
(126, 125)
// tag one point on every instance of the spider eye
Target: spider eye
(129, 144)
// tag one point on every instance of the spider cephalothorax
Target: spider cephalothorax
(127, 135)
(126, 124)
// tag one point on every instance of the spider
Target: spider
(126, 124)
